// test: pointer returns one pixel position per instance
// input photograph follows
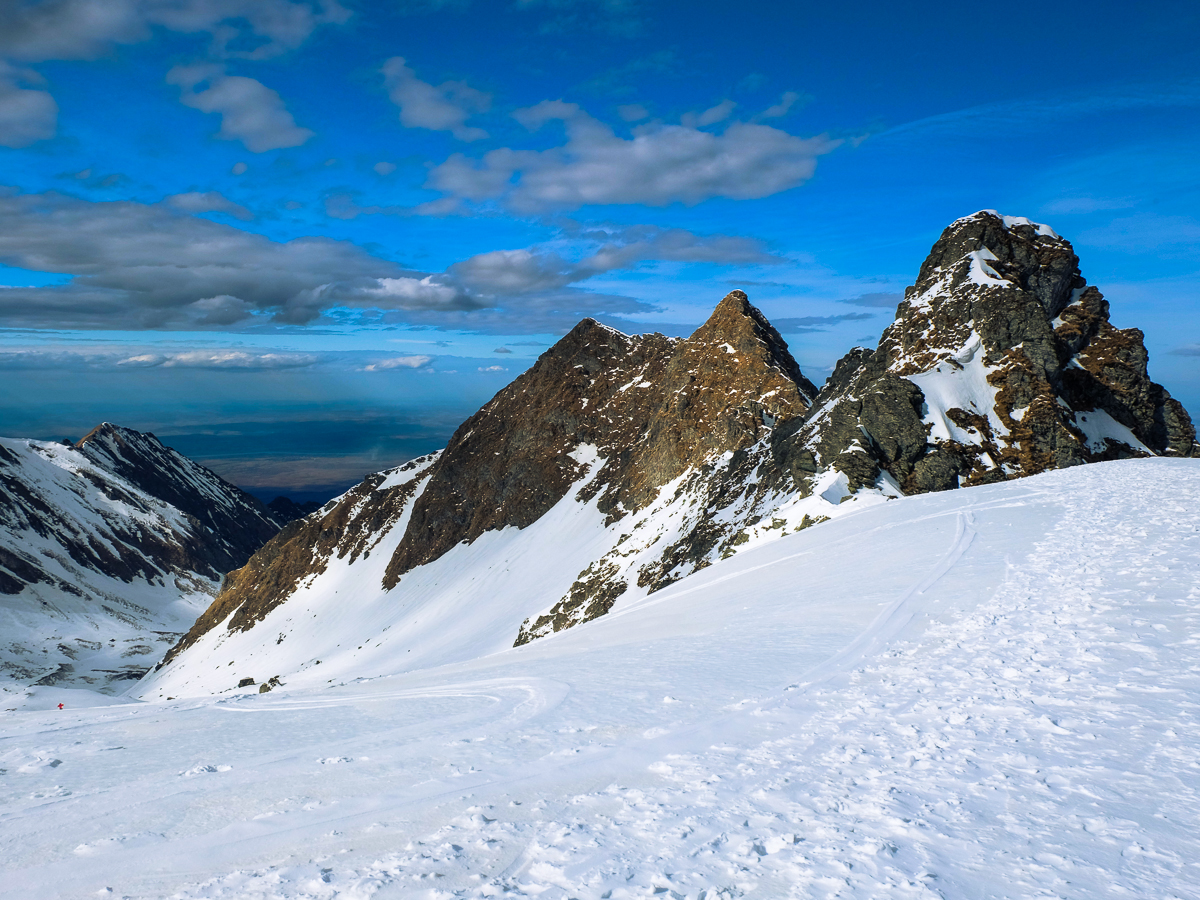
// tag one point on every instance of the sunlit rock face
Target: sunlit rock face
(1001, 363)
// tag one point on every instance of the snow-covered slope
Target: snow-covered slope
(619, 465)
(109, 549)
(983, 693)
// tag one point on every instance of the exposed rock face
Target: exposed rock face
(116, 536)
(655, 457)
(1001, 363)
(652, 406)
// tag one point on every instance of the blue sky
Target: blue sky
(301, 240)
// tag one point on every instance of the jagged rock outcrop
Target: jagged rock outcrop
(619, 464)
(1001, 363)
(108, 547)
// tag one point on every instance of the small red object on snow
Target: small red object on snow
(60, 706)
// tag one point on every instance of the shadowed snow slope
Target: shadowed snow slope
(108, 550)
(979, 693)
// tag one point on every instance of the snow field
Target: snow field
(983, 693)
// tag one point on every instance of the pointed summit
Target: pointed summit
(743, 327)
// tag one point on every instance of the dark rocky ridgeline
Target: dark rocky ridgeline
(86, 527)
(228, 524)
(1023, 370)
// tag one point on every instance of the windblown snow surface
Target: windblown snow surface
(989, 692)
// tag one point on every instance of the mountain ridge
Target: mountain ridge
(658, 456)
(115, 537)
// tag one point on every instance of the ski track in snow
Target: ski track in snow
(1036, 739)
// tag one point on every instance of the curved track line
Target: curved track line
(898, 613)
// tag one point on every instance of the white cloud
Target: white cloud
(384, 168)
(87, 29)
(27, 113)
(660, 165)
(239, 168)
(221, 359)
(428, 292)
(443, 107)
(511, 272)
(209, 201)
(250, 111)
(492, 369)
(399, 362)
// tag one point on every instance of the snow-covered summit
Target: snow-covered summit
(108, 550)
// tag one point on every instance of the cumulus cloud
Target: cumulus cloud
(443, 107)
(134, 265)
(399, 362)
(430, 292)
(138, 265)
(209, 201)
(661, 164)
(27, 112)
(250, 111)
(492, 369)
(86, 29)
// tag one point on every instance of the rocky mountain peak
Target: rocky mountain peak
(997, 280)
(987, 246)
(736, 324)
(1001, 362)
(648, 406)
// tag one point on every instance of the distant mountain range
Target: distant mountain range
(620, 464)
(109, 549)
